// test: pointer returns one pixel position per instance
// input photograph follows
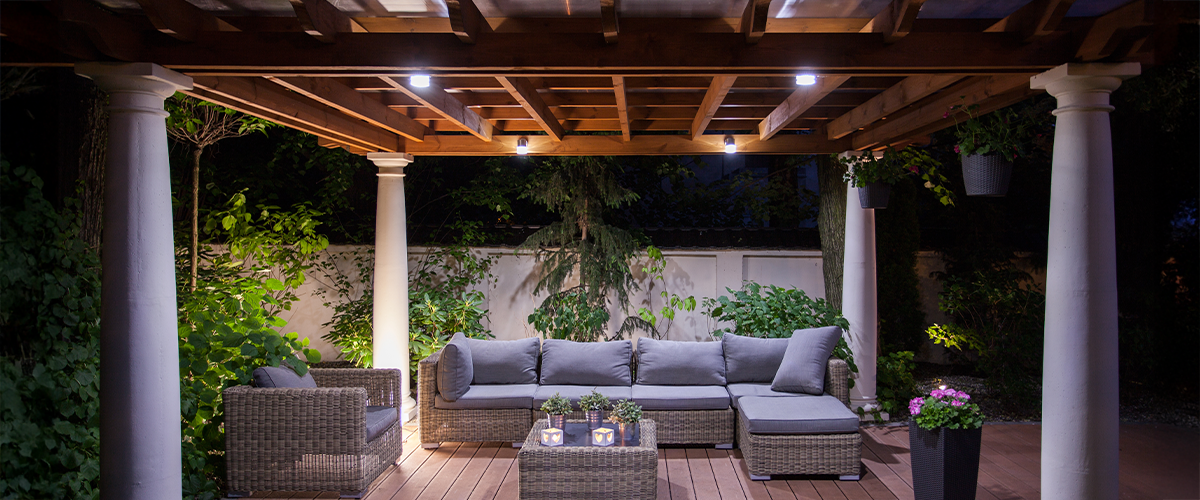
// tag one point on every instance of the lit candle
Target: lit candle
(602, 436)
(552, 437)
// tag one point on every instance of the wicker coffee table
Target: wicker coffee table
(609, 472)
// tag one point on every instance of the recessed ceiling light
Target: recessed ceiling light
(522, 146)
(806, 79)
(419, 81)
(730, 146)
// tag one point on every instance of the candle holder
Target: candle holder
(552, 437)
(603, 436)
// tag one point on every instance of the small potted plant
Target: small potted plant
(944, 435)
(874, 175)
(557, 408)
(594, 404)
(626, 414)
(988, 146)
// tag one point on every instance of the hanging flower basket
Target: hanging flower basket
(874, 195)
(986, 175)
(945, 462)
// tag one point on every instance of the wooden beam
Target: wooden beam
(754, 20)
(180, 19)
(712, 101)
(608, 20)
(465, 20)
(446, 105)
(331, 144)
(593, 145)
(972, 91)
(268, 114)
(896, 20)
(908, 91)
(321, 19)
(526, 94)
(29, 25)
(622, 106)
(1034, 19)
(345, 99)
(992, 104)
(111, 35)
(260, 94)
(1111, 30)
(797, 103)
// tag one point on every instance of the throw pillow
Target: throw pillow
(504, 361)
(455, 369)
(805, 361)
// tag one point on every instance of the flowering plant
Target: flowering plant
(895, 165)
(1003, 132)
(947, 408)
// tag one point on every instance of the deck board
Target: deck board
(1157, 461)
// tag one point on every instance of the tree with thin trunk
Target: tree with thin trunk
(203, 124)
(831, 222)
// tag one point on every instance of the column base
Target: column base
(408, 410)
(869, 408)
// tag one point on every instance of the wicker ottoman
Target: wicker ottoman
(562, 472)
(803, 435)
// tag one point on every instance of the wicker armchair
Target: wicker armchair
(312, 439)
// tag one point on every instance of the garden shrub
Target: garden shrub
(895, 386)
(49, 324)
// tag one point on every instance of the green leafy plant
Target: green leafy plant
(894, 165)
(49, 353)
(570, 315)
(776, 314)
(894, 380)
(672, 303)
(594, 402)
(945, 407)
(1003, 132)
(625, 411)
(557, 405)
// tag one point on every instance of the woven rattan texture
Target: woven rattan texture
(616, 472)
(438, 425)
(986, 175)
(837, 380)
(768, 454)
(310, 439)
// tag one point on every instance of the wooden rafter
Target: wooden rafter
(332, 144)
(908, 91)
(608, 20)
(111, 35)
(796, 104)
(257, 93)
(1112, 30)
(622, 106)
(268, 114)
(974, 90)
(465, 20)
(896, 20)
(345, 99)
(321, 19)
(180, 19)
(754, 20)
(446, 105)
(1034, 19)
(526, 94)
(505, 145)
(712, 101)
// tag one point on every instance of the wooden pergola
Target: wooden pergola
(599, 77)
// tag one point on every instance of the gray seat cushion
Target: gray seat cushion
(586, 363)
(504, 361)
(491, 397)
(574, 392)
(379, 418)
(669, 362)
(681, 397)
(737, 391)
(750, 359)
(455, 368)
(806, 415)
(282, 377)
(806, 359)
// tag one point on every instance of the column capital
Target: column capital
(134, 77)
(1084, 77)
(390, 164)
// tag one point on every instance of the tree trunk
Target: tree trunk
(831, 222)
(93, 148)
(195, 211)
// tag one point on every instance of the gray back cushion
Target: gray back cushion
(669, 362)
(803, 367)
(504, 361)
(586, 363)
(282, 377)
(455, 370)
(751, 360)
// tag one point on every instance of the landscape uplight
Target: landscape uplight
(806, 79)
(419, 81)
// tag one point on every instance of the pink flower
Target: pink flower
(913, 169)
(1014, 156)
(914, 406)
(951, 393)
(956, 403)
(946, 115)
(938, 393)
(956, 149)
(964, 396)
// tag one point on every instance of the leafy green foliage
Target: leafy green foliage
(626, 411)
(49, 323)
(673, 302)
(896, 165)
(776, 314)
(557, 405)
(569, 315)
(594, 402)
(203, 123)
(947, 408)
(894, 381)
(1003, 132)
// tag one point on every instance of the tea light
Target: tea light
(553, 437)
(602, 436)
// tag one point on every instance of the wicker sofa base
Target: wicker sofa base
(474, 426)
(589, 471)
(769, 454)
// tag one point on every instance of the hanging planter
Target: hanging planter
(945, 462)
(874, 195)
(986, 175)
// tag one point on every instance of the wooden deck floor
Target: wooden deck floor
(1157, 462)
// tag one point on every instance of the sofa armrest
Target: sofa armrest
(427, 381)
(382, 384)
(275, 422)
(837, 384)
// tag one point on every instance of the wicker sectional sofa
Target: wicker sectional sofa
(691, 390)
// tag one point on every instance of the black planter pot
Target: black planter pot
(986, 175)
(945, 462)
(874, 195)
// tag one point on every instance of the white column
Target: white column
(1080, 413)
(139, 345)
(859, 297)
(390, 318)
